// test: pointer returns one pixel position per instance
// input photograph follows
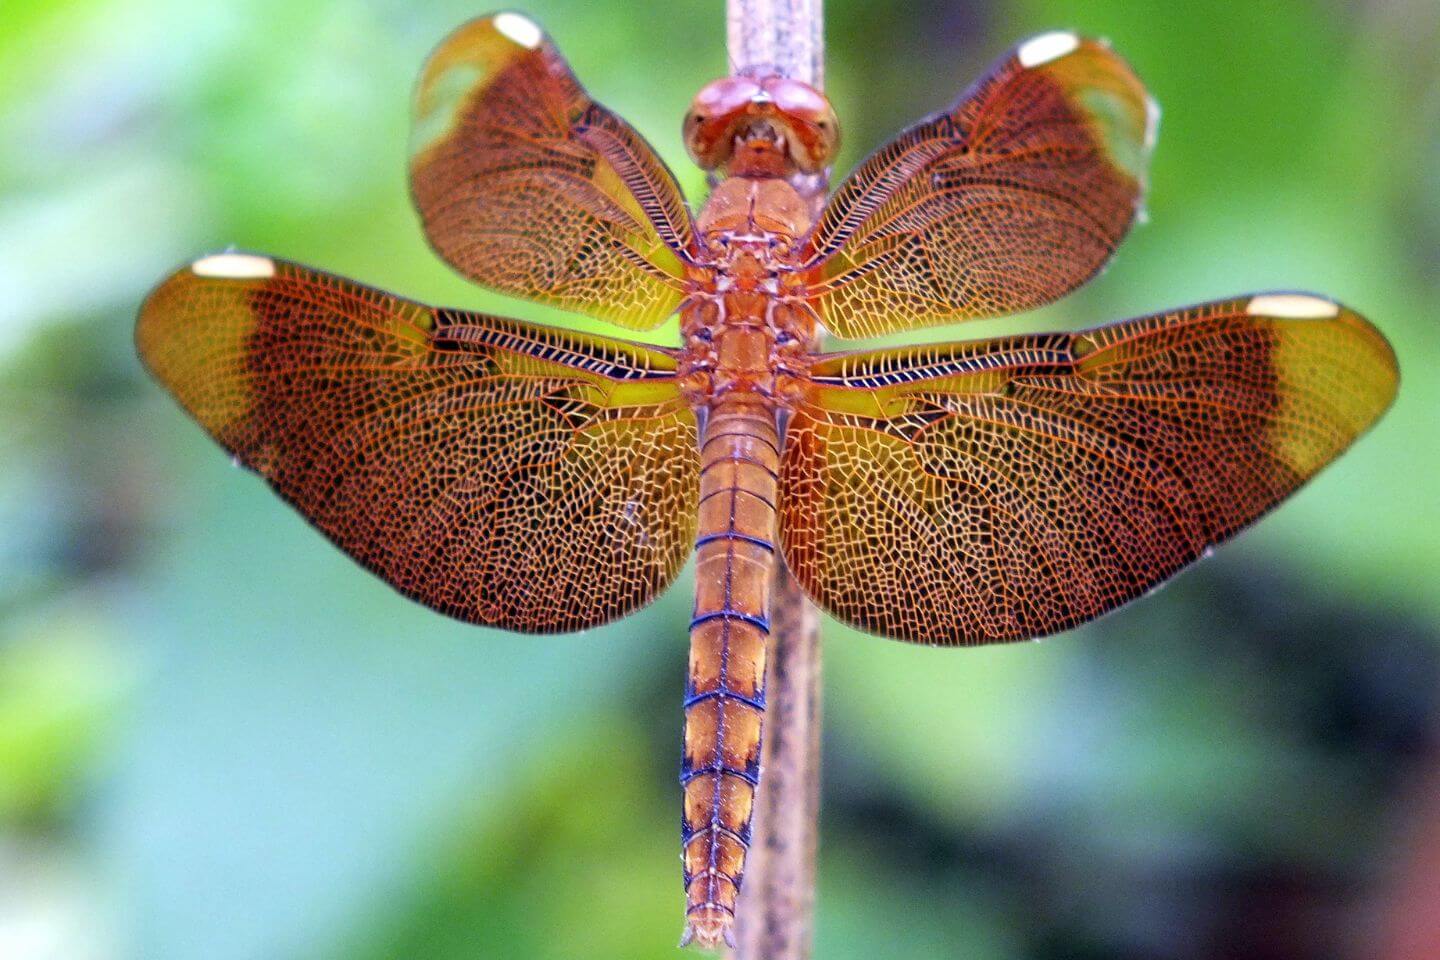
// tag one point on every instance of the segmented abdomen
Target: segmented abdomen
(725, 695)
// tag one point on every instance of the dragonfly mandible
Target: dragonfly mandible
(537, 479)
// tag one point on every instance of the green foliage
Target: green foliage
(59, 684)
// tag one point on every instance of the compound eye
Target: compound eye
(798, 99)
(713, 114)
(814, 132)
(724, 96)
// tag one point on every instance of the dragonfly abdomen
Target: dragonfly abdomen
(725, 694)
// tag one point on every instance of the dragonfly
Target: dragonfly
(541, 480)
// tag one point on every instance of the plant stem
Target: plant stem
(774, 919)
(785, 37)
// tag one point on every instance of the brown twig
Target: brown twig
(784, 37)
(774, 916)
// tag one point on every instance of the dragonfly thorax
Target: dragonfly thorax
(748, 207)
(743, 324)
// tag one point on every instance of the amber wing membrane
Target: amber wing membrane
(500, 472)
(993, 491)
(528, 186)
(1011, 198)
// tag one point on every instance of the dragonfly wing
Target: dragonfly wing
(500, 472)
(998, 490)
(1011, 198)
(528, 186)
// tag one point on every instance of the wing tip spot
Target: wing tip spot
(520, 29)
(1040, 50)
(1292, 306)
(1152, 122)
(234, 266)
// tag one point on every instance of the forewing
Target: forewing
(528, 186)
(500, 472)
(993, 491)
(1013, 197)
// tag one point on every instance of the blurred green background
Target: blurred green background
(220, 739)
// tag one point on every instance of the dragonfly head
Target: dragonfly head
(771, 125)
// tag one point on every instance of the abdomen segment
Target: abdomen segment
(725, 694)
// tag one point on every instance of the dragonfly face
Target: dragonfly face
(540, 480)
(775, 124)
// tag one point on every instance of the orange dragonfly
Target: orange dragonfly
(538, 479)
